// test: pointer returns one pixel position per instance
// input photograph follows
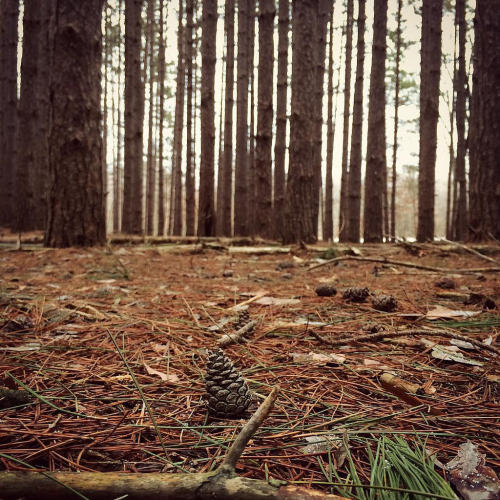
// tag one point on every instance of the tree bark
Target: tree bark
(26, 170)
(251, 199)
(150, 161)
(460, 207)
(430, 68)
(281, 118)
(375, 152)
(354, 190)
(178, 129)
(134, 116)
(298, 225)
(344, 180)
(75, 208)
(396, 122)
(227, 176)
(263, 163)
(8, 107)
(190, 179)
(220, 157)
(485, 124)
(241, 170)
(206, 210)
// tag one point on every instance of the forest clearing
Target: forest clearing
(101, 337)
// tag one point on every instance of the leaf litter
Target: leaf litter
(85, 412)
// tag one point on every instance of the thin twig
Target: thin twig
(249, 429)
(234, 338)
(403, 333)
(382, 260)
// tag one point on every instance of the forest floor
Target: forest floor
(166, 305)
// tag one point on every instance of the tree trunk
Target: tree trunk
(328, 220)
(430, 68)
(106, 63)
(298, 225)
(26, 169)
(150, 161)
(263, 164)
(281, 103)
(396, 122)
(460, 225)
(134, 115)
(75, 208)
(241, 171)
(227, 177)
(8, 107)
(251, 204)
(344, 180)
(375, 151)
(220, 157)
(324, 8)
(178, 130)
(190, 180)
(354, 196)
(485, 124)
(206, 211)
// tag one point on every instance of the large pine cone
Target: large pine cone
(243, 319)
(355, 294)
(228, 395)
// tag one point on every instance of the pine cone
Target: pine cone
(356, 294)
(228, 395)
(385, 303)
(243, 319)
(325, 290)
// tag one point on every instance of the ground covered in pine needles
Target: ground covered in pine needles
(97, 339)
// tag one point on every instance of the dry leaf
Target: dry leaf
(449, 353)
(275, 301)
(314, 357)
(171, 377)
(440, 312)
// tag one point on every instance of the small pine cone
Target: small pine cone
(356, 294)
(325, 290)
(228, 395)
(385, 303)
(243, 319)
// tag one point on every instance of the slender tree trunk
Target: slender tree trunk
(354, 203)
(206, 211)
(161, 81)
(460, 225)
(8, 107)
(344, 181)
(179, 126)
(28, 116)
(227, 178)
(281, 102)
(263, 164)
(430, 68)
(300, 184)
(190, 179)
(485, 124)
(150, 167)
(134, 115)
(241, 171)
(324, 9)
(396, 123)
(251, 208)
(220, 158)
(107, 62)
(375, 152)
(75, 210)
(328, 220)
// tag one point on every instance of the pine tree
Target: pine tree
(134, 116)
(375, 151)
(263, 164)
(430, 70)
(354, 191)
(75, 206)
(206, 211)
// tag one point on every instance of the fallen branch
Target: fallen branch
(234, 338)
(472, 251)
(221, 484)
(380, 260)
(403, 333)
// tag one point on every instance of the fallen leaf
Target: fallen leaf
(171, 377)
(276, 301)
(451, 353)
(314, 357)
(440, 312)
(468, 474)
